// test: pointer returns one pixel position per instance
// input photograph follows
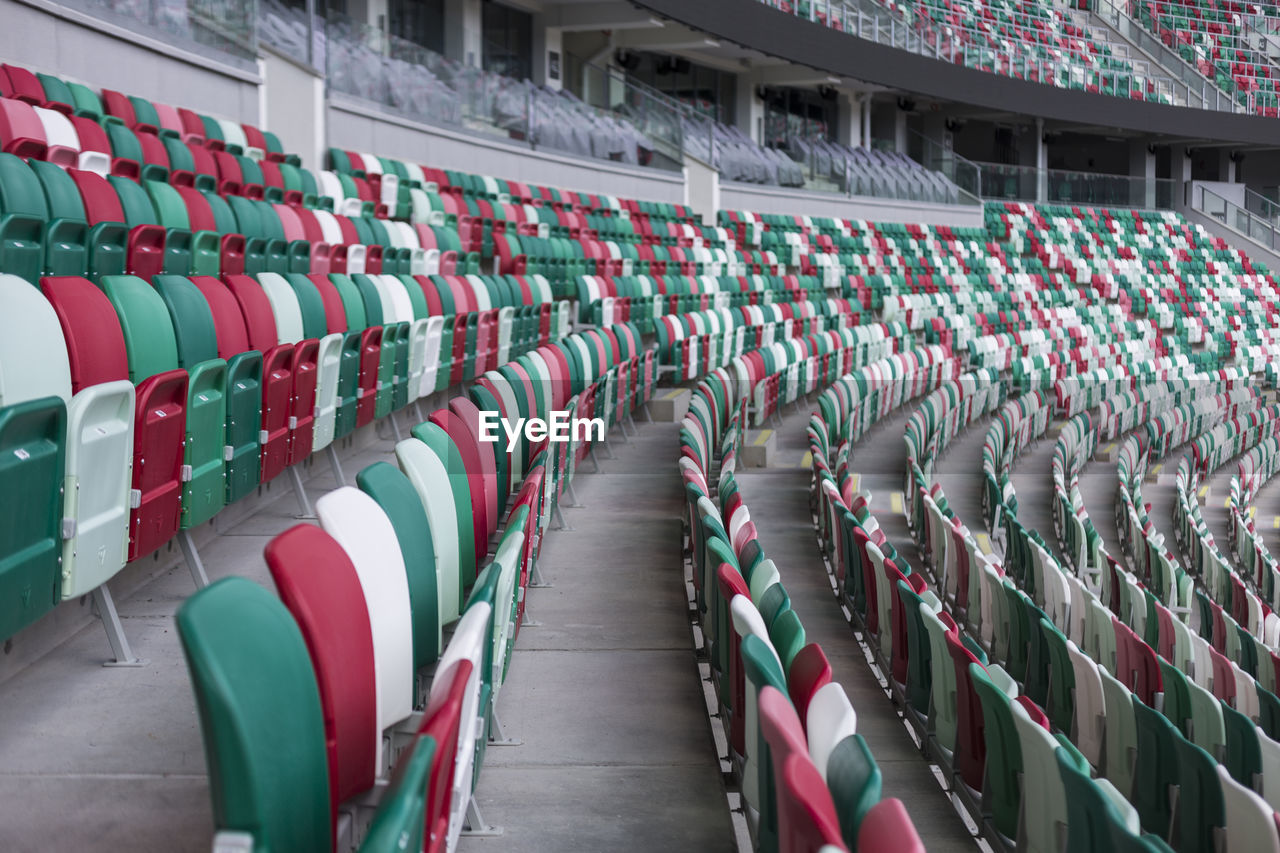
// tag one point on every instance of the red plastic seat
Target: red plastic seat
(732, 583)
(96, 347)
(461, 437)
(810, 670)
(441, 721)
(486, 477)
(370, 354)
(319, 585)
(971, 745)
(21, 131)
(277, 371)
(887, 826)
(23, 85)
(807, 819)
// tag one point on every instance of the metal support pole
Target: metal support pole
(106, 606)
(336, 465)
(192, 556)
(300, 492)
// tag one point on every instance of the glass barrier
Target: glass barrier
(222, 29)
(614, 123)
(1262, 229)
(1006, 182)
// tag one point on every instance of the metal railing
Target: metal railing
(1261, 227)
(1008, 182)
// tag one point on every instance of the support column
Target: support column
(1226, 165)
(849, 119)
(748, 110)
(867, 140)
(1142, 165)
(900, 130)
(1042, 163)
(548, 54)
(462, 29)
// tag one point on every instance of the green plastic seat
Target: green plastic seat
(33, 437)
(1201, 810)
(762, 668)
(23, 212)
(1243, 758)
(1060, 703)
(1156, 768)
(773, 603)
(853, 778)
(66, 233)
(1094, 806)
(788, 637)
(919, 650)
(1177, 697)
(197, 349)
(1002, 794)
(250, 669)
(458, 493)
(394, 492)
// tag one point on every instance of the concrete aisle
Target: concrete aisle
(778, 498)
(617, 751)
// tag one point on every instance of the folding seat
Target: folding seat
(971, 751)
(277, 372)
(1200, 813)
(1002, 794)
(943, 715)
(467, 644)
(318, 583)
(363, 530)
(304, 403)
(150, 363)
(244, 386)
(1094, 807)
(831, 719)
(853, 778)
(887, 826)
(762, 669)
(1208, 730)
(270, 783)
(810, 672)
(23, 212)
(178, 301)
(1156, 766)
(1044, 799)
(1243, 756)
(426, 469)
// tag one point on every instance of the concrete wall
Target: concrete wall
(357, 126)
(46, 37)
(294, 97)
(735, 196)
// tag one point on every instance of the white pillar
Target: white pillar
(900, 131)
(849, 119)
(1042, 162)
(463, 26)
(866, 121)
(748, 110)
(548, 54)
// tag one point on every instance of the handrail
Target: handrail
(1261, 229)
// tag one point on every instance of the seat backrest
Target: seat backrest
(194, 330)
(853, 777)
(284, 307)
(394, 492)
(807, 819)
(425, 470)
(259, 710)
(467, 643)
(34, 356)
(441, 721)
(1251, 823)
(363, 530)
(887, 826)
(259, 320)
(319, 585)
(830, 720)
(228, 319)
(442, 447)
(810, 670)
(148, 329)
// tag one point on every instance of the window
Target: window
(418, 21)
(508, 41)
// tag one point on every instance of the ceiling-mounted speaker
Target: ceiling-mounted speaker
(763, 92)
(827, 93)
(906, 104)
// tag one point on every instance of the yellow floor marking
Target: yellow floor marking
(806, 461)
(1155, 469)
(671, 395)
(1110, 447)
(1275, 523)
(762, 437)
(855, 480)
(1252, 511)
(984, 542)
(895, 502)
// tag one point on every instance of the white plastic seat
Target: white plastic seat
(830, 719)
(467, 643)
(363, 530)
(432, 358)
(1251, 822)
(285, 307)
(328, 367)
(428, 472)
(1089, 723)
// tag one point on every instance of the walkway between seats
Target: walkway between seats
(617, 751)
(778, 498)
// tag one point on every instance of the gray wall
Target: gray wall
(60, 41)
(735, 196)
(358, 126)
